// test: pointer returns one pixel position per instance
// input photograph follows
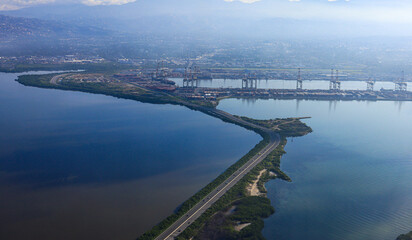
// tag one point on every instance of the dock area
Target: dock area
(200, 93)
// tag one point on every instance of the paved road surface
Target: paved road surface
(56, 78)
(183, 222)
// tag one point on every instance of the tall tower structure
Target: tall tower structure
(249, 81)
(299, 82)
(190, 78)
(331, 83)
(401, 85)
(334, 84)
(370, 85)
(337, 82)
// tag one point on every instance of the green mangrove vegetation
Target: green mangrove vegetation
(120, 90)
(237, 207)
(407, 236)
(155, 231)
(287, 127)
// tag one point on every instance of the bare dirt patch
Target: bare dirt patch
(253, 187)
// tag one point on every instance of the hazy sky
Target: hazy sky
(394, 11)
(388, 11)
(16, 4)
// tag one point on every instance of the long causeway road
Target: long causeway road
(196, 211)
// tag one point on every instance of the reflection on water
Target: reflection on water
(290, 84)
(351, 176)
(86, 166)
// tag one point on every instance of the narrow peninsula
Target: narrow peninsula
(234, 204)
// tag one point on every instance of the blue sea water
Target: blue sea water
(86, 166)
(351, 177)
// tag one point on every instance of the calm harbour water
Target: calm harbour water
(85, 166)
(351, 177)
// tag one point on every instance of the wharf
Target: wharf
(200, 93)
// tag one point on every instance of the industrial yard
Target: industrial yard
(158, 80)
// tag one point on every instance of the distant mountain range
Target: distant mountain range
(160, 17)
(30, 36)
(143, 27)
(31, 28)
(203, 18)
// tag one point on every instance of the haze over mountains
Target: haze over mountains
(219, 18)
(349, 32)
(19, 27)
(31, 36)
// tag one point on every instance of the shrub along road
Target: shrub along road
(196, 211)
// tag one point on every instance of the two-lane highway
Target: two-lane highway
(196, 211)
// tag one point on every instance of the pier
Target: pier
(200, 93)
